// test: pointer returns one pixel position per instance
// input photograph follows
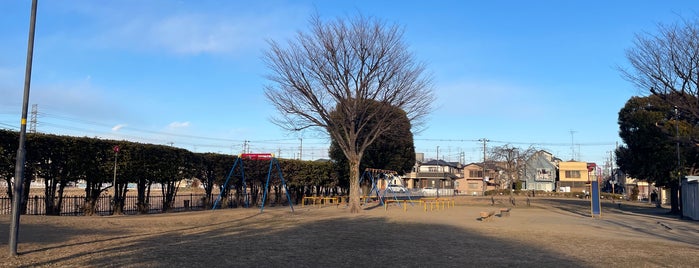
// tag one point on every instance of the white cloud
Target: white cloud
(179, 124)
(118, 127)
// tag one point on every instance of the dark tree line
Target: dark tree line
(652, 133)
(63, 160)
(664, 64)
(392, 150)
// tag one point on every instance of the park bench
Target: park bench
(505, 212)
(486, 216)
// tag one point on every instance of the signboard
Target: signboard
(594, 196)
(264, 156)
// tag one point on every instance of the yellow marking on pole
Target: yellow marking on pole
(24, 121)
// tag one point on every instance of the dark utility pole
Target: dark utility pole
(19, 165)
(679, 163)
(485, 183)
(117, 196)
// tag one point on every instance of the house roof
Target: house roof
(441, 163)
(488, 165)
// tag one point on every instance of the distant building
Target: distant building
(434, 174)
(573, 176)
(474, 183)
(540, 172)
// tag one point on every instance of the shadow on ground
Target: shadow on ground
(268, 241)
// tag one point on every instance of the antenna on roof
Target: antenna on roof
(572, 144)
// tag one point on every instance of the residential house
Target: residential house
(437, 174)
(645, 188)
(540, 172)
(573, 176)
(472, 182)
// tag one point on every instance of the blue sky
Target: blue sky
(190, 74)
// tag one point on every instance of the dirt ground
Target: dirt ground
(549, 233)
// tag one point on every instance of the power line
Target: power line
(8, 126)
(138, 129)
(311, 146)
(522, 143)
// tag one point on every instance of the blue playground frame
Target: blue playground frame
(272, 163)
(374, 187)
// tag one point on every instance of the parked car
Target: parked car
(397, 188)
(429, 191)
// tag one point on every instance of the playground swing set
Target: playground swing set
(374, 175)
(255, 157)
(384, 199)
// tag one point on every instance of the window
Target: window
(432, 169)
(573, 174)
(475, 173)
(543, 173)
(473, 186)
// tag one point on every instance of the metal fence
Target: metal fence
(74, 205)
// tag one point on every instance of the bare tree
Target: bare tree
(666, 64)
(343, 67)
(513, 162)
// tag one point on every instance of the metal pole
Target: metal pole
(485, 183)
(679, 164)
(19, 165)
(114, 185)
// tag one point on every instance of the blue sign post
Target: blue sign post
(595, 202)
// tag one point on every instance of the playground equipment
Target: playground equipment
(374, 174)
(272, 163)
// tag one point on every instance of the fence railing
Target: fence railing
(74, 205)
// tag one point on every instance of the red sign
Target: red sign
(116, 148)
(257, 156)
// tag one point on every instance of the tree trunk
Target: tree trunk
(9, 182)
(674, 200)
(143, 198)
(25, 193)
(50, 196)
(121, 199)
(354, 201)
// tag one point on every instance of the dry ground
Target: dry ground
(549, 233)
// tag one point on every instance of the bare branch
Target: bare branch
(666, 64)
(344, 68)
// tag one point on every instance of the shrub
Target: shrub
(634, 193)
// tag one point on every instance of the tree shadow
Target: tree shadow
(651, 221)
(277, 237)
(351, 241)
